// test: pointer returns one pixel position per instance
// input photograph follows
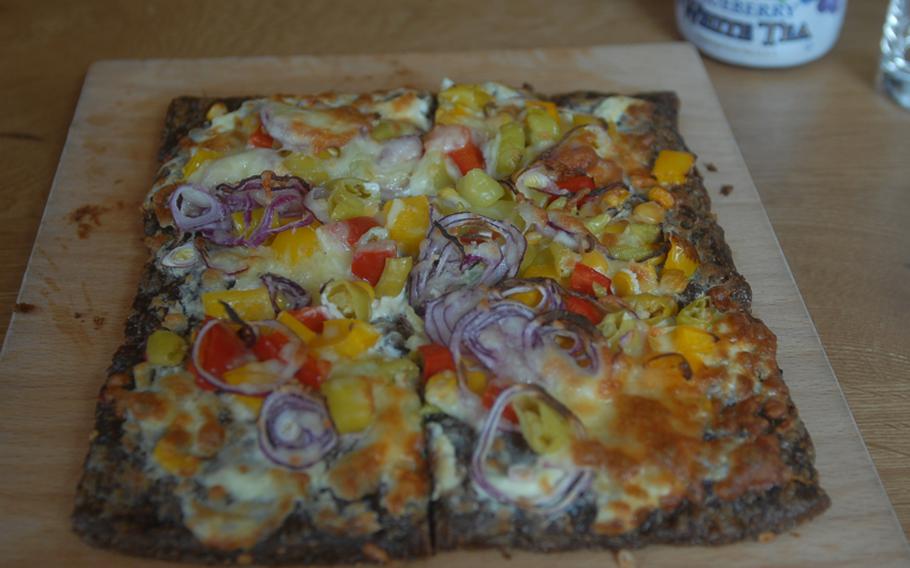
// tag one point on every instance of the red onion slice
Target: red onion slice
(443, 313)
(284, 293)
(284, 369)
(493, 336)
(570, 486)
(569, 332)
(464, 249)
(295, 430)
(193, 207)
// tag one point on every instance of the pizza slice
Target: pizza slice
(264, 408)
(609, 387)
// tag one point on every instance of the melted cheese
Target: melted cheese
(237, 167)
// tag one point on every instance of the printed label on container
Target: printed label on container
(771, 33)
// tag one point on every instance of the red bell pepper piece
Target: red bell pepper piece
(261, 138)
(268, 345)
(357, 226)
(220, 350)
(312, 317)
(576, 183)
(313, 372)
(489, 399)
(584, 308)
(436, 358)
(584, 278)
(369, 260)
(467, 158)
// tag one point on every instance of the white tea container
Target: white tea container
(768, 33)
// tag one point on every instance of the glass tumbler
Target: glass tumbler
(894, 69)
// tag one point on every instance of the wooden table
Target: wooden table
(825, 151)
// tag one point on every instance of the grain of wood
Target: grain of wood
(54, 358)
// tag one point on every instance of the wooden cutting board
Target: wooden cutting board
(88, 255)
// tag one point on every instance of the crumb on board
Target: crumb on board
(98, 321)
(711, 167)
(625, 559)
(23, 307)
(505, 552)
(375, 553)
(77, 315)
(87, 218)
(766, 537)
(726, 189)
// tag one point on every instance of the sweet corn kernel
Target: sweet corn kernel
(442, 389)
(253, 403)
(661, 196)
(408, 220)
(305, 334)
(251, 305)
(625, 283)
(476, 381)
(295, 245)
(350, 403)
(165, 348)
(216, 110)
(673, 281)
(681, 256)
(596, 260)
(616, 197)
(649, 212)
(672, 166)
(530, 298)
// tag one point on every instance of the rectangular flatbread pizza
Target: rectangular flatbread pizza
(374, 326)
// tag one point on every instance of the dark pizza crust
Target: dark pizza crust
(463, 519)
(117, 504)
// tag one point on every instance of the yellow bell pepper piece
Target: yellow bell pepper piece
(305, 334)
(408, 221)
(165, 348)
(255, 373)
(596, 260)
(583, 119)
(693, 343)
(353, 299)
(251, 305)
(542, 427)
(350, 198)
(346, 337)
(681, 256)
(394, 276)
(294, 245)
(200, 156)
(350, 403)
(241, 227)
(672, 167)
(307, 167)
